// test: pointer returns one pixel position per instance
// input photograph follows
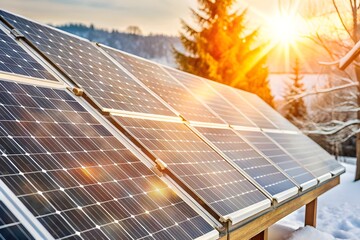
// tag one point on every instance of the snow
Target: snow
(350, 56)
(331, 131)
(307, 233)
(338, 215)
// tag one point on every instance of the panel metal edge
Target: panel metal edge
(309, 184)
(35, 228)
(324, 177)
(208, 125)
(247, 212)
(146, 116)
(213, 235)
(270, 130)
(280, 197)
(338, 171)
(244, 128)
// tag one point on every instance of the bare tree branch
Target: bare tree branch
(342, 21)
(336, 129)
(325, 90)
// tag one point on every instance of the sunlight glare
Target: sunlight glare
(285, 29)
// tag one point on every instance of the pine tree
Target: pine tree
(223, 49)
(297, 109)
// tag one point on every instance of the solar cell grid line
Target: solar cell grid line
(218, 184)
(282, 159)
(77, 179)
(104, 82)
(237, 101)
(235, 148)
(211, 98)
(15, 60)
(310, 155)
(164, 85)
(22, 214)
(10, 226)
(270, 113)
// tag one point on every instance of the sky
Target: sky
(152, 16)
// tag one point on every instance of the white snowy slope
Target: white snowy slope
(338, 215)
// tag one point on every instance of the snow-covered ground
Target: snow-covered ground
(338, 215)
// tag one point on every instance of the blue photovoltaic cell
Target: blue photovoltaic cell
(288, 164)
(10, 227)
(14, 59)
(91, 70)
(166, 87)
(211, 98)
(197, 165)
(243, 106)
(77, 179)
(243, 155)
(271, 114)
(307, 153)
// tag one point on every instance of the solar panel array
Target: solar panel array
(102, 80)
(211, 98)
(279, 121)
(282, 159)
(166, 87)
(10, 226)
(248, 159)
(309, 154)
(241, 105)
(195, 163)
(228, 154)
(14, 59)
(77, 179)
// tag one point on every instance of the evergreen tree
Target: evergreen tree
(223, 49)
(297, 109)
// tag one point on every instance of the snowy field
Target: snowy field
(338, 215)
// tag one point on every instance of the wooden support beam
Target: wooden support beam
(264, 235)
(263, 222)
(310, 213)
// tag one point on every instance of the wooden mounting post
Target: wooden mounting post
(310, 213)
(261, 236)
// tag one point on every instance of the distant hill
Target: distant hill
(155, 47)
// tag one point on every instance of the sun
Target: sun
(285, 29)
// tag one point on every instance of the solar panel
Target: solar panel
(211, 98)
(279, 157)
(166, 87)
(308, 154)
(102, 80)
(274, 116)
(249, 160)
(14, 59)
(10, 226)
(241, 105)
(77, 179)
(206, 173)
